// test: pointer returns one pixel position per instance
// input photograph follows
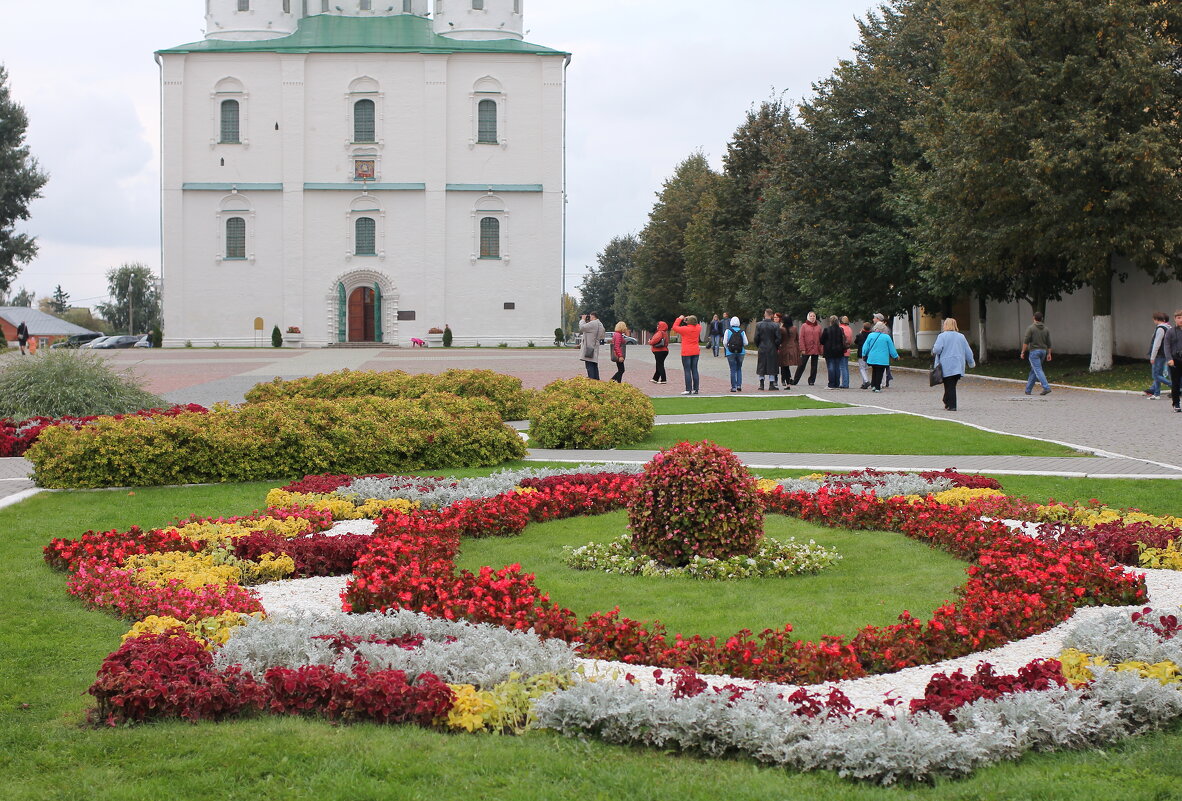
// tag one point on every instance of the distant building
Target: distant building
(44, 329)
(362, 171)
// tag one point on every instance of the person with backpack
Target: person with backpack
(1158, 371)
(735, 344)
(717, 327)
(767, 339)
(660, 347)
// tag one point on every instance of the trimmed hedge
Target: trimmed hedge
(280, 439)
(505, 391)
(581, 413)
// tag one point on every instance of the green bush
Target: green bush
(276, 338)
(581, 413)
(695, 499)
(504, 391)
(66, 382)
(281, 439)
(447, 336)
(157, 337)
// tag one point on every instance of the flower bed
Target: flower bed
(17, 436)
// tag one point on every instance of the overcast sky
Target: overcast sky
(650, 82)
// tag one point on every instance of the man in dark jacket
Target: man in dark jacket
(22, 336)
(767, 339)
(717, 326)
(1173, 347)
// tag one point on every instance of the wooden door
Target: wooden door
(361, 315)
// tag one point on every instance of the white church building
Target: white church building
(362, 171)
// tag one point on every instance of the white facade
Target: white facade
(363, 178)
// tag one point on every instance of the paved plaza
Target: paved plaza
(1131, 436)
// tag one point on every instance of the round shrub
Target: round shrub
(70, 383)
(280, 439)
(505, 391)
(695, 499)
(581, 413)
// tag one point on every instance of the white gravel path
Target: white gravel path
(1165, 592)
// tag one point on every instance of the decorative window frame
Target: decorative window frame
(229, 88)
(489, 88)
(364, 88)
(490, 205)
(365, 205)
(234, 204)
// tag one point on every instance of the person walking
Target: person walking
(952, 352)
(879, 317)
(717, 329)
(690, 350)
(22, 336)
(863, 367)
(660, 347)
(767, 339)
(1036, 347)
(788, 355)
(619, 350)
(809, 337)
(833, 348)
(878, 351)
(1173, 345)
(591, 331)
(734, 342)
(1159, 373)
(844, 365)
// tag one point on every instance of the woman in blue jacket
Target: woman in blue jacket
(878, 350)
(952, 352)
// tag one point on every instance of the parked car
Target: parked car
(76, 341)
(145, 341)
(123, 341)
(97, 342)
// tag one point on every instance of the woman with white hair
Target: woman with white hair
(878, 350)
(952, 353)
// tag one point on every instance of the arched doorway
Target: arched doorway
(362, 302)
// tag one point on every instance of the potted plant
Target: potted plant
(293, 338)
(435, 336)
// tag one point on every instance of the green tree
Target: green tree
(597, 291)
(1055, 147)
(60, 301)
(20, 183)
(23, 297)
(570, 314)
(135, 300)
(656, 287)
(85, 318)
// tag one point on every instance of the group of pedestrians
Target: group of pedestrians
(1165, 358)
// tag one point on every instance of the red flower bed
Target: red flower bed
(114, 546)
(315, 555)
(947, 692)
(17, 436)
(1017, 587)
(100, 585)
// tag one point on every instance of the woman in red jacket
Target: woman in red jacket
(619, 350)
(810, 348)
(690, 333)
(660, 346)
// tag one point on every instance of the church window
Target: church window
(235, 238)
(407, 6)
(516, 6)
(366, 5)
(486, 114)
(478, 5)
(244, 5)
(364, 129)
(365, 236)
(490, 238)
(230, 133)
(286, 6)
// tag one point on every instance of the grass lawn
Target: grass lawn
(1062, 369)
(744, 403)
(907, 575)
(887, 433)
(50, 649)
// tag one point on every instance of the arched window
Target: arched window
(490, 238)
(235, 238)
(365, 236)
(230, 133)
(286, 6)
(324, 6)
(364, 129)
(407, 6)
(486, 122)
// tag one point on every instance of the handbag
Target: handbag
(588, 350)
(936, 376)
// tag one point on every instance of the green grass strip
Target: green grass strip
(888, 433)
(904, 573)
(740, 403)
(1071, 369)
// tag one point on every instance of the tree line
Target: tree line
(996, 149)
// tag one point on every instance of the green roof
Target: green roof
(329, 33)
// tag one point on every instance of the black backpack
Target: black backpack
(734, 343)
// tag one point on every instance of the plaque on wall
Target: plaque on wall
(364, 169)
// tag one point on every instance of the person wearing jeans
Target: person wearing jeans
(735, 355)
(1159, 372)
(1036, 347)
(1173, 344)
(717, 328)
(690, 350)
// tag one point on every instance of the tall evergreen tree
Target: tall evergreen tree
(1055, 147)
(60, 301)
(20, 183)
(599, 286)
